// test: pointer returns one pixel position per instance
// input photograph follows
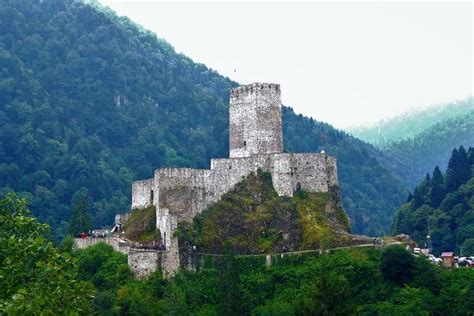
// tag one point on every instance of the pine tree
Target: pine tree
(424, 187)
(417, 199)
(463, 168)
(452, 179)
(80, 219)
(437, 193)
(470, 154)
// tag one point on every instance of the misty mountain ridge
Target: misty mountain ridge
(412, 158)
(411, 123)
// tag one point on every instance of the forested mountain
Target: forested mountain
(90, 101)
(410, 124)
(415, 142)
(442, 206)
(411, 158)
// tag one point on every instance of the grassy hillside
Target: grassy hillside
(252, 218)
(90, 101)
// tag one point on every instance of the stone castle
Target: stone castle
(255, 141)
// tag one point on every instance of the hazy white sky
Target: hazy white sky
(342, 63)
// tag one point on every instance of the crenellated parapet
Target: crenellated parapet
(254, 88)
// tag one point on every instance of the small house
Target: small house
(448, 259)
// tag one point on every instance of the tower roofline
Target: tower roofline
(255, 87)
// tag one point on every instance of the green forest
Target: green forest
(442, 207)
(90, 101)
(417, 141)
(413, 157)
(38, 278)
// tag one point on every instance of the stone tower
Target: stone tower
(255, 120)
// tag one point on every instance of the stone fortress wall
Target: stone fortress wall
(255, 125)
(255, 138)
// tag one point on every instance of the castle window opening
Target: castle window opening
(245, 144)
(151, 196)
(298, 186)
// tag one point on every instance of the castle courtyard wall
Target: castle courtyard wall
(142, 193)
(143, 263)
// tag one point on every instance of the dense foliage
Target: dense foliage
(90, 101)
(252, 218)
(349, 282)
(442, 206)
(36, 278)
(415, 142)
(80, 221)
(34, 275)
(107, 270)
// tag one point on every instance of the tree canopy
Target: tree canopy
(34, 276)
(442, 206)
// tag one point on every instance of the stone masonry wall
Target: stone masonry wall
(143, 263)
(184, 193)
(142, 193)
(255, 120)
(182, 190)
(82, 243)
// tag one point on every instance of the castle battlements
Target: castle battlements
(255, 142)
(253, 87)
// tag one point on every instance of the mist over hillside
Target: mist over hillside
(412, 158)
(414, 143)
(412, 123)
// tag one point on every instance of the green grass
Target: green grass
(252, 218)
(141, 225)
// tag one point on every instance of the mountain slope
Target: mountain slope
(410, 124)
(90, 101)
(442, 206)
(412, 158)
